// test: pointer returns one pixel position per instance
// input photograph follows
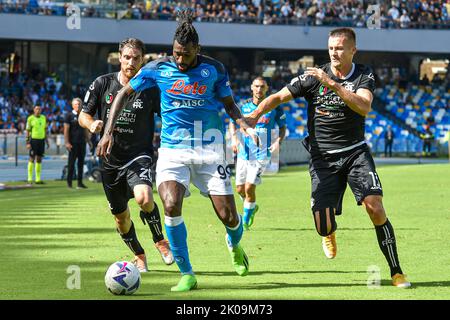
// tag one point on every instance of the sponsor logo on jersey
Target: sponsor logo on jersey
(329, 101)
(166, 74)
(109, 98)
(205, 73)
(188, 103)
(323, 90)
(122, 130)
(371, 76)
(138, 104)
(180, 87)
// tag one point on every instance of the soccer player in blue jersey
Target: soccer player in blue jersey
(193, 90)
(251, 159)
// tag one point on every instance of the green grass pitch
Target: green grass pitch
(46, 229)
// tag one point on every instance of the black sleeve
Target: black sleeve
(93, 97)
(67, 118)
(300, 85)
(155, 96)
(367, 80)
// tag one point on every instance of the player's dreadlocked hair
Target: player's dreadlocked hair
(186, 32)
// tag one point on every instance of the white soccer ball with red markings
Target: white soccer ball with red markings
(122, 278)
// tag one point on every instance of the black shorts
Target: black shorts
(37, 147)
(331, 173)
(119, 183)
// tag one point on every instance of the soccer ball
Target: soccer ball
(122, 278)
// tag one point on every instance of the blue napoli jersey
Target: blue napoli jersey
(247, 148)
(190, 101)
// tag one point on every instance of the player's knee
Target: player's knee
(122, 218)
(172, 208)
(241, 190)
(145, 202)
(325, 221)
(228, 218)
(250, 189)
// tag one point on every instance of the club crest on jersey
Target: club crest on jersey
(109, 98)
(348, 86)
(204, 73)
(323, 90)
(180, 87)
(166, 74)
(138, 104)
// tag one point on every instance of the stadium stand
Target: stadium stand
(352, 13)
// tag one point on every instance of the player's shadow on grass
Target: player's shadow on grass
(284, 285)
(313, 229)
(260, 273)
(415, 284)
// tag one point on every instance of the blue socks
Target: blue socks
(249, 207)
(235, 234)
(177, 235)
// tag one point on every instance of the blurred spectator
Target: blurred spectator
(352, 13)
(427, 138)
(388, 141)
(404, 20)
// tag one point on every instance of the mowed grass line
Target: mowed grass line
(46, 229)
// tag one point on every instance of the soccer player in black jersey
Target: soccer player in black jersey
(127, 171)
(339, 96)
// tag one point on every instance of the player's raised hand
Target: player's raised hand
(234, 145)
(320, 75)
(96, 126)
(104, 146)
(274, 147)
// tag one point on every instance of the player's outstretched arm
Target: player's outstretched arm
(106, 142)
(87, 121)
(233, 135)
(268, 104)
(233, 111)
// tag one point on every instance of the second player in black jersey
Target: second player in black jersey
(332, 125)
(127, 170)
(339, 96)
(135, 125)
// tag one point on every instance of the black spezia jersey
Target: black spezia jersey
(133, 132)
(332, 125)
